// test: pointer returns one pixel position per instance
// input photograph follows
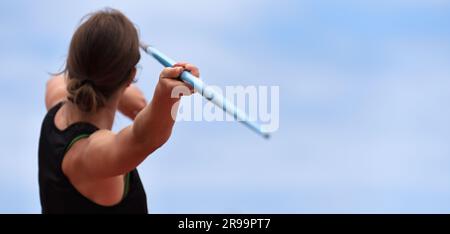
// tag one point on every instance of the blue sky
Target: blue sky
(364, 93)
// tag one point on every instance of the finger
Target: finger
(177, 83)
(189, 86)
(171, 72)
(193, 69)
(180, 64)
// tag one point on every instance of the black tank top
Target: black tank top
(57, 194)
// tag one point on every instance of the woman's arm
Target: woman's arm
(106, 154)
(132, 102)
(55, 91)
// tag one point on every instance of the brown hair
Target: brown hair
(103, 53)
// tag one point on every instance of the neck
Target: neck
(103, 118)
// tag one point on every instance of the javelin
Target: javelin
(210, 94)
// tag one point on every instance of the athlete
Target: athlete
(84, 167)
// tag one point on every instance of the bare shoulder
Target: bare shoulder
(85, 153)
(101, 140)
(76, 166)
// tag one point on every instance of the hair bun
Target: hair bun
(87, 82)
(83, 94)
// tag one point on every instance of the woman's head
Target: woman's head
(102, 57)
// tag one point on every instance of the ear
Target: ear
(132, 76)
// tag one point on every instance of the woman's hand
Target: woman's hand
(132, 102)
(170, 78)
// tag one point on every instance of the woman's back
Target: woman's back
(58, 195)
